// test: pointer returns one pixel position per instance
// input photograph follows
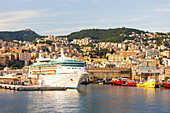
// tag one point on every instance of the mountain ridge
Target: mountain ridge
(22, 35)
(101, 35)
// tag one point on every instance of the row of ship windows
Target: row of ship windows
(73, 68)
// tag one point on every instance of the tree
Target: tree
(126, 48)
(49, 42)
(166, 78)
(112, 51)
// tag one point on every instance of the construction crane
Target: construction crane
(107, 75)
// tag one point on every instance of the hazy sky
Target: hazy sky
(60, 17)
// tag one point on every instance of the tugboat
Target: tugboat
(151, 83)
(117, 82)
(167, 84)
(140, 84)
(130, 83)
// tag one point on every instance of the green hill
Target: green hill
(23, 35)
(112, 35)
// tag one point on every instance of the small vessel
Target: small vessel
(140, 84)
(117, 82)
(85, 81)
(130, 83)
(167, 84)
(151, 83)
(60, 72)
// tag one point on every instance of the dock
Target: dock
(31, 87)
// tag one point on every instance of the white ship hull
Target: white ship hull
(60, 72)
(62, 80)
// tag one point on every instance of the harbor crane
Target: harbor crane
(107, 75)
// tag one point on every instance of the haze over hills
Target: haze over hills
(112, 35)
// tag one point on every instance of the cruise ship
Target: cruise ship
(60, 72)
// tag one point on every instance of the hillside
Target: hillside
(23, 35)
(112, 35)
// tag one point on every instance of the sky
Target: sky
(62, 17)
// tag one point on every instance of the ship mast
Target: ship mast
(41, 54)
(62, 53)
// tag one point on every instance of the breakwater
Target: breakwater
(30, 87)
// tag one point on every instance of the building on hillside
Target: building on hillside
(25, 57)
(51, 49)
(4, 59)
(115, 57)
(166, 62)
(167, 54)
(152, 52)
(10, 56)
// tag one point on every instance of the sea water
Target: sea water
(88, 99)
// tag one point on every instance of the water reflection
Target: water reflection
(90, 98)
(60, 101)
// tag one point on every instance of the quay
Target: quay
(31, 87)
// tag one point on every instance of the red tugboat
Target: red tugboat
(117, 82)
(130, 83)
(167, 84)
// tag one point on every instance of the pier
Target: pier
(30, 87)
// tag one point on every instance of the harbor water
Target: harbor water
(88, 99)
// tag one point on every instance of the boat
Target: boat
(60, 72)
(167, 84)
(151, 83)
(140, 84)
(107, 82)
(130, 83)
(117, 82)
(85, 81)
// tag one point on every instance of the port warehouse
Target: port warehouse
(21, 76)
(100, 73)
